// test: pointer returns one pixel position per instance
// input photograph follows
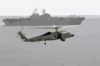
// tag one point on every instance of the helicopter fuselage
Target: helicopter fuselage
(62, 35)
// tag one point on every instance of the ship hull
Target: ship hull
(42, 22)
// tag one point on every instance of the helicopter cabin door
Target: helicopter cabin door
(59, 35)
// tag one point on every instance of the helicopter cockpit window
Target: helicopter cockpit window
(48, 33)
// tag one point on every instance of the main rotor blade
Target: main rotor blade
(54, 26)
(68, 26)
(41, 28)
(45, 28)
(22, 28)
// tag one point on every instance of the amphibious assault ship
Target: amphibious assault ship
(41, 20)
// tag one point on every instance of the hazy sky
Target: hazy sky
(54, 7)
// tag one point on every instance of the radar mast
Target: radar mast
(43, 11)
(35, 11)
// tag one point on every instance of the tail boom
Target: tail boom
(22, 36)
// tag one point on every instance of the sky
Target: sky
(54, 7)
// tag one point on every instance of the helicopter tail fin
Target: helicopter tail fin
(22, 36)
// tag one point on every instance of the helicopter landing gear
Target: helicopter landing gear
(45, 42)
(62, 39)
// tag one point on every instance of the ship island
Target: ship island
(43, 20)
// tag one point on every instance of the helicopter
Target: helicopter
(52, 35)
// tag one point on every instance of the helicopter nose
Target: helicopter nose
(72, 35)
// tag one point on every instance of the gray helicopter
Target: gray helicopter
(53, 35)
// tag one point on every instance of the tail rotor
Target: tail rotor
(20, 31)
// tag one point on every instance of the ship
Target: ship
(44, 19)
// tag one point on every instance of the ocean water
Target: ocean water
(81, 50)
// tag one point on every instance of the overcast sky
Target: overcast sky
(54, 7)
